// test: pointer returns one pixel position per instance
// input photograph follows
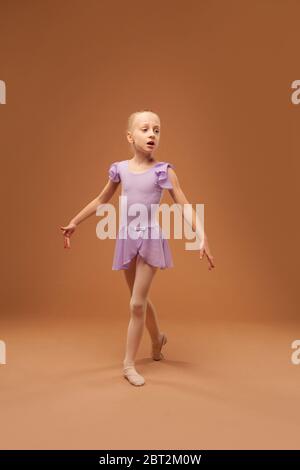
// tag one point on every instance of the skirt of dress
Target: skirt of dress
(148, 242)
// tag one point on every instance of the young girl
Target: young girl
(140, 249)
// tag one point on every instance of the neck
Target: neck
(142, 157)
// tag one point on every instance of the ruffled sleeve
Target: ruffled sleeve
(113, 172)
(161, 171)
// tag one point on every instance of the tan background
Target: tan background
(219, 74)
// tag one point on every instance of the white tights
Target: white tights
(139, 277)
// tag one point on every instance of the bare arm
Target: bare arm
(105, 195)
(191, 216)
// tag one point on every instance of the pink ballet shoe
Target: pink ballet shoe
(132, 376)
(157, 355)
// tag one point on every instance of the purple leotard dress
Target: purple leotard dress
(146, 238)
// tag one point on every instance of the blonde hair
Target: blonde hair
(133, 116)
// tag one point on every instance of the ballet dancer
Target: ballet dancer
(141, 249)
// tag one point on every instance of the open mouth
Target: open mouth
(150, 143)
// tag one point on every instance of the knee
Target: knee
(137, 306)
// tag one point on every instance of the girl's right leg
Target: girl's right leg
(143, 277)
(151, 314)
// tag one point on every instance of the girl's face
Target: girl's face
(145, 132)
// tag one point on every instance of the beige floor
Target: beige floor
(221, 386)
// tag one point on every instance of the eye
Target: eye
(157, 131)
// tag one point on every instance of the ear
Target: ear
(129, 137)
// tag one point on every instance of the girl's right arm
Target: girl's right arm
(105, 195)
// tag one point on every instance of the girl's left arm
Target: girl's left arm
(190, 215)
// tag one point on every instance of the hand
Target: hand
(205, 250)
(67, 232)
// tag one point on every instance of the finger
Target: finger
(210, 258)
